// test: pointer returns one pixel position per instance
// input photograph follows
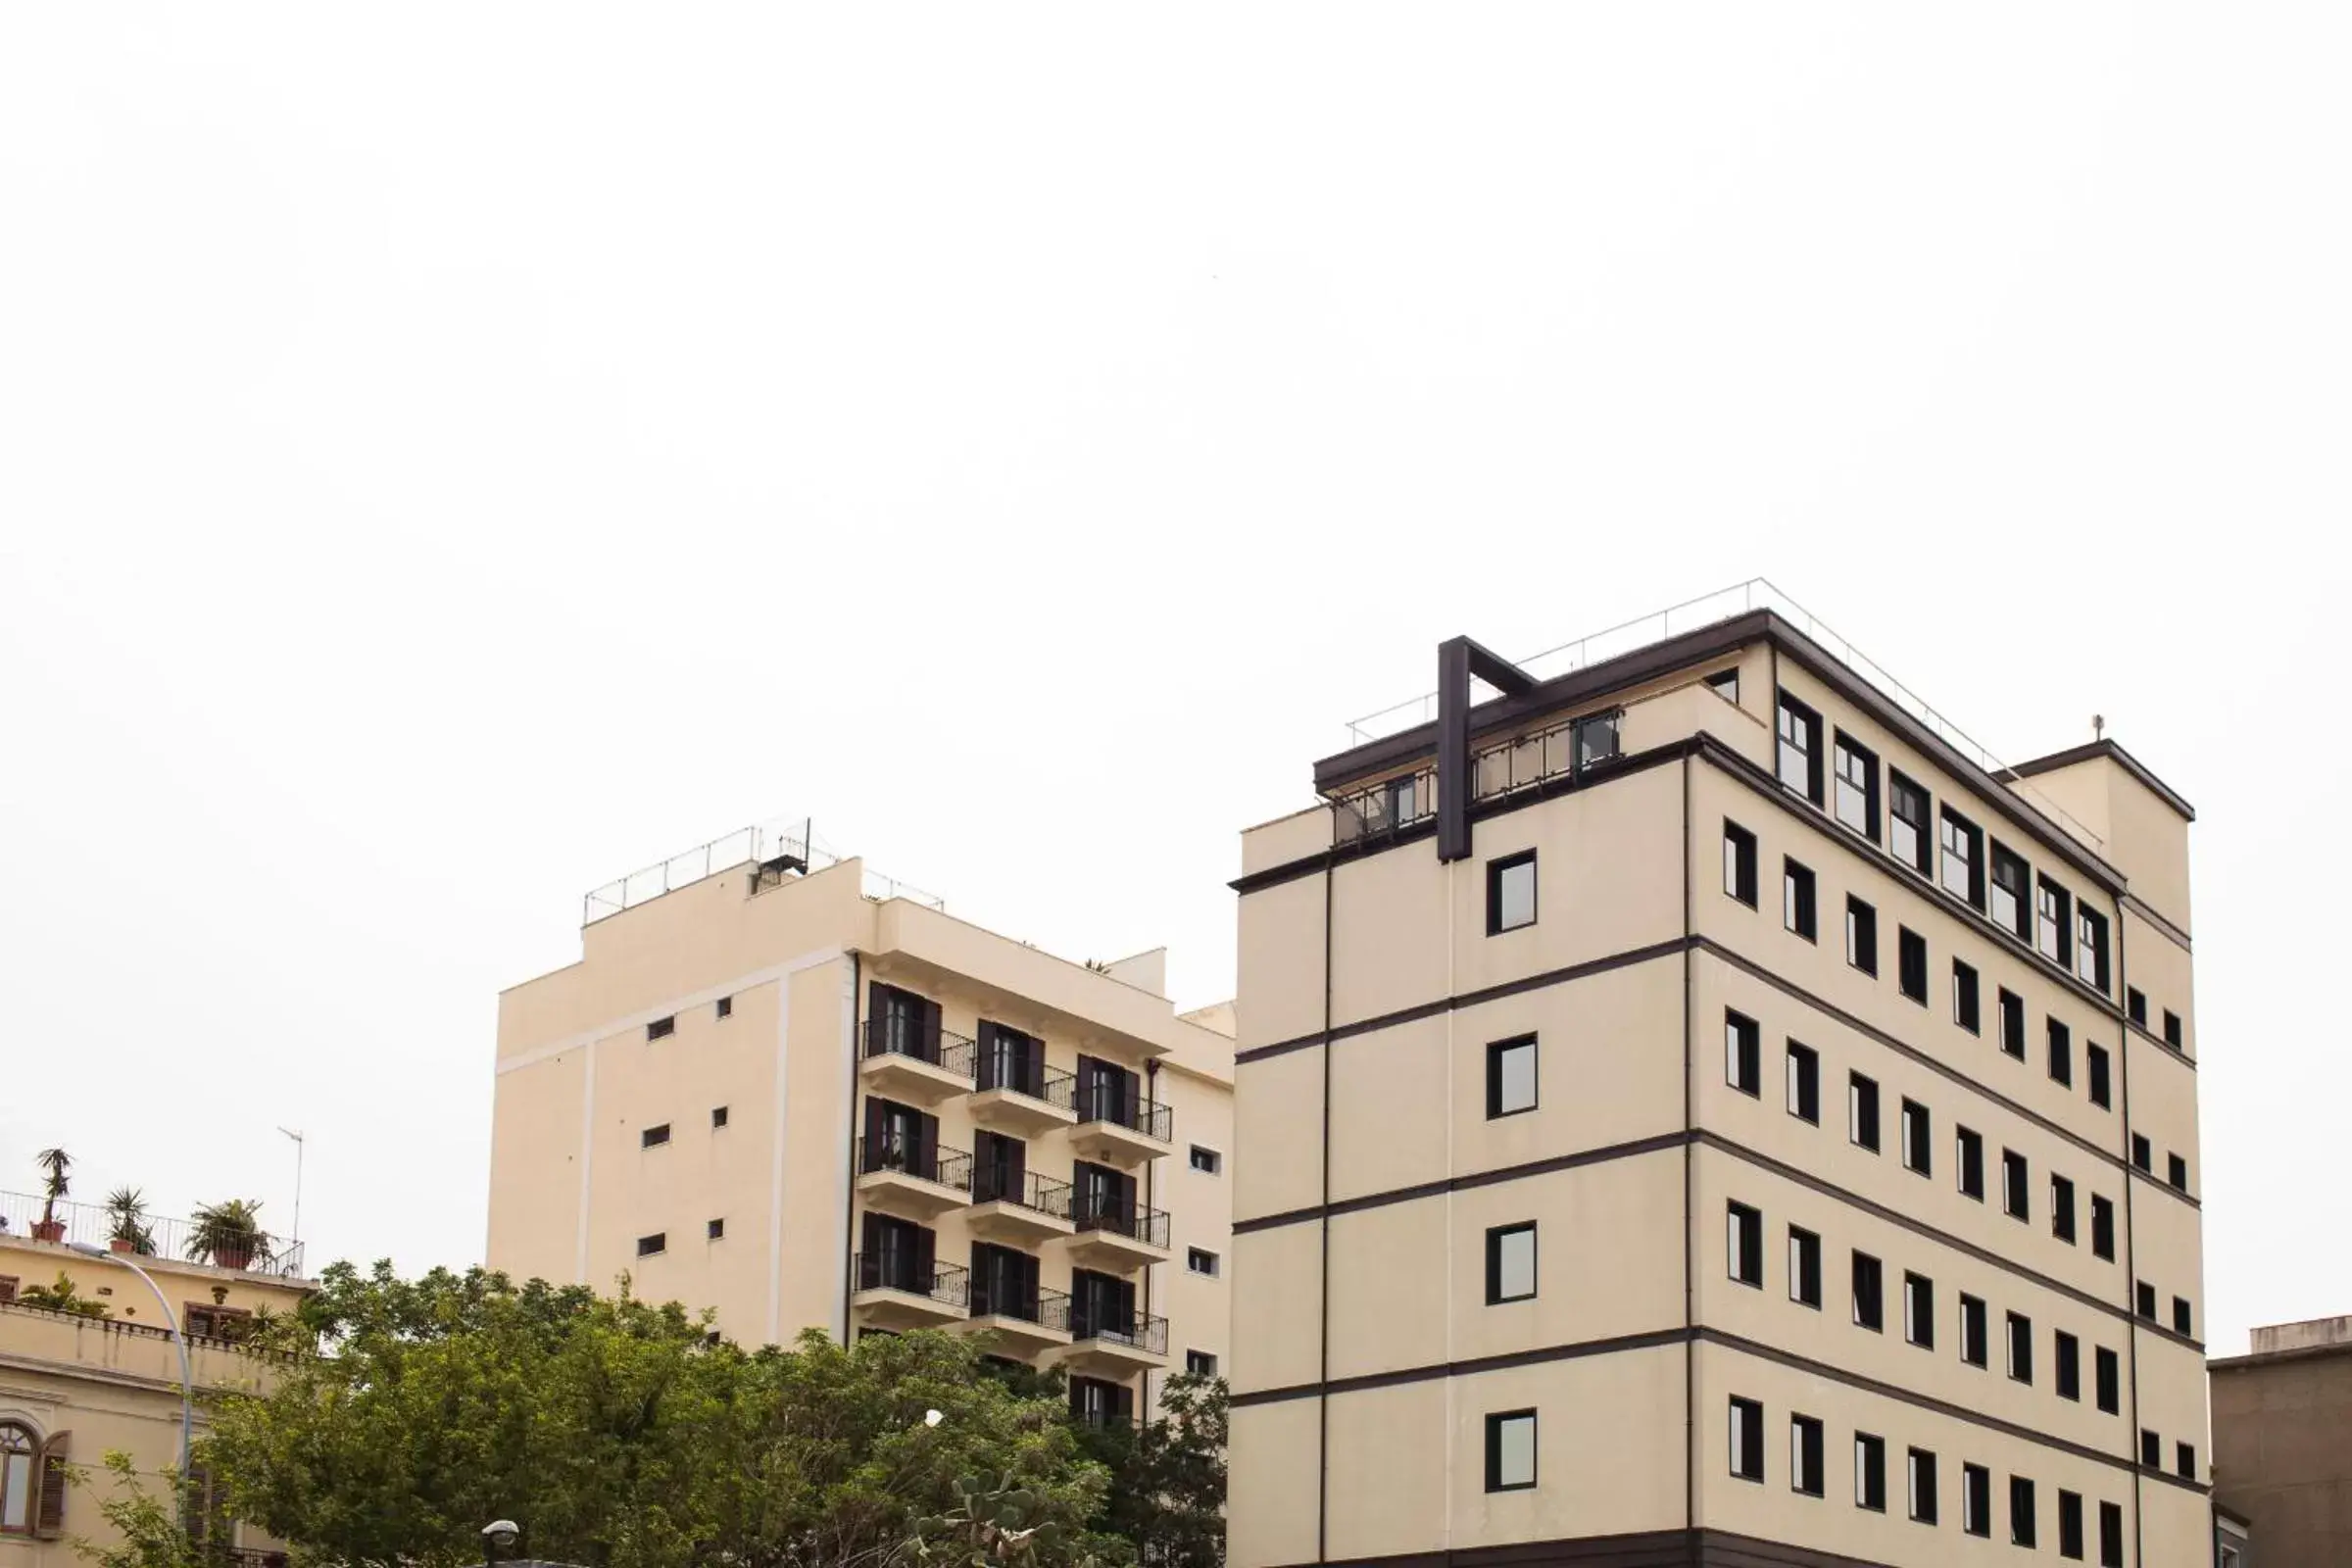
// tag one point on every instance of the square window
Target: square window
(2096, 1068)
(2184, 1460)
(1963, 858)
(1724, 683)
(1199, 1364)
(716, 1229)
(1742, 1054)
(2182, 1318)
(2066, 1370)
(1868, 1303)
(1510, 1076)
(1922, 1487)
(2142, 1152)
(1972, 1331)
(2021, 1347)
(1804, 1268)
(2172, 1029)
(719, 1116)
(648, 1245)
(1796, 900)
(1919, 1311)
(1208, 1162)
(724, 1009)
(1911, 954)
(1200, 1261)
(1870, 1472)
(2175, 1172)
(2062, 1054)
(1857, 794)
(1511, 897)
(2069, 1525)
(1510, 1263)
(1862, 1110)
(1511, 1450)
(1748, 1439)
(1919, 1142)
(1971, 1150)
(1597, 739)
(1861, 936)
(2151, 1449)
(2021, 1511)
(1907, 831)
(1804, 1456)
(1976, 1499)
(654, 1137)
(2016, 1201)
(2062, 1208)
(1744, 1242)
(1801, 749)
(1738, 862)
(662, 1028)
(2108, 1380)
(1965, 1012)
(2013, 1023)
(1804, 1083)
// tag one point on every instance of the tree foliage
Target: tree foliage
(1167, 1493)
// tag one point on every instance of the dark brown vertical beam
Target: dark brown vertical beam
(1460, 659)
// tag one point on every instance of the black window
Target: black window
(1801, 748)
(1510, 1451)
(1870, 1472)
(2091, 949)
(1923, 1486)
(2012, 892)
(1095, 1402)
(1862, 1110)
(1510, 1076)
(654, 1137)
(2021, 1511)
(1209, 1161)
(2111, 1534)
(2135, 1006)
(1804, 1083)
(1744, 1235)
(2067, 1366)
(2107, 1379)
(2016, 1201)
(2144, 1298)
(2062, 1053)
(1804, 1456)
(716, 1229)
(1861, 936)
(1919, 1310)
(2053, 924)
(1907, 831)
(662, 1028)
(1510, 893)
(1972, 1331)
(2096, 1069)
(1804, 1268)
(2013, 1023)
(1857, 795)
(1965, 1010)
(1796, 900)
(1911, 956)
(1963, 858)
(1976, 1499)
(2184, 1460)
(1868, 1307)
(1724, 683)
(2069, 1525)
(2182, 1319)
(719, 1116)
(2172, 1029)
(2021, 1347)
(1511, 1263)
(2102, 1227)
(2151, 1449)
(1748, 1439)
(724, 1008)
(648, 1245)
(2176, 1171)
(1597, 738)
(1972, 1164)
(1200, 1261)
(1919, 1145)
(2142, 1152)
(1199, 1364)
(1742, 1054)
(2062, 1208)
(1739, 862)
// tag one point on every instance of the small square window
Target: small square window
(1748, 1439)
(2184, 1460)
(2176, 1171)
(1511, 1450)
(1911, 965)
(718, 1117)
(2144, 1154)
(1510, 1076)
(2136, 1003)
(2172, 1029)
(662, 1028)
(725, 1007)
(1199, 1364)
(1796, 900)
(648, 1245)
(1742, 1054)
(1724, 683)
(1512, 893)
(1745, 1242)
(1200, 1261)
(1804, 1083)
(654, 1137)
(1510, 1263)
(1207, 1161)
(716, 1229)
(1738, 862)
(1805, 1456)
(2145, 1299)
(1861, 936)
(2183, 1321)
(2151, 1449)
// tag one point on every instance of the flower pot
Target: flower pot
(237, 1258)
(48, 1230)
(120, 1245)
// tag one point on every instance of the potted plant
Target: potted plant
(127, 1230)
(229, 1234)
(54, 1164)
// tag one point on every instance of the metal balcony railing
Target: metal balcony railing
(159, 1236)
(1149, 1117)
(1130, 1219)
(1139, 1330)
(1032, 1080)
(1029, 1190)
(1048, 1309)
(904, 1037)
(899, 1271)
(950, 1167)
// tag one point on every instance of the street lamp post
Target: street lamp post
(188, 1381)
(496, 1535)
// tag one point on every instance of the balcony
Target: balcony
(1119, 1129)
(1117, 1238)
(1022, 1323)
(898, 1177)
(894, 1292)
(1020, 1213)
(1115, 1345)
(173, 1239)
(1023, 1100)
(903, 1061)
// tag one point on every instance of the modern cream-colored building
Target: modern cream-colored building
(804, 1097)
(1695, 1109)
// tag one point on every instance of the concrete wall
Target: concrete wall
(2283, 1451)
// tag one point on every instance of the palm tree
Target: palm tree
(54, 1164)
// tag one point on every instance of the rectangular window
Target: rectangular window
(724, 1008)
(1965, 1012)
(1738, 862)
(1804, 1268)
(2012, 892)
(2062, 1053)
(2107, 1379)
(1972, 1331)
(648, 1245)
(2182, 1319)
(2095, 1068)
(1963, 858)
(662, 1028)
(2021, 1511)
(1804, 1456)
(1199, 1364)
(1870, 1472)
(1911, 956)
(1200, 1261)
(1597, 739)
(1796, 900)
(2021, 1347)
(2135, 1006)
(2151, 1449)
(2013, 1023)
(1922, 1487)
(718, 1117)
(2175, 1172)
(2184, 1460)
(2111, 1534)
(1919, 1311)
(2062, 1208)
(1511, 1450)
(2069, 1525)
(1976, 1499)
(1724, 683)
(1857, 795)
(2172, 1029)
(1742, 1054)
(1207, 1161)
(1746, 1242)
(715, 1230)
(2067, 1366)
(1919, 1144)
(1510, 1077)
(2142, 1152)
(1862, 1110)
(1869, 1306)
(2053, 924)
(2090, 948)
(654, 1137)
(1510, 894)
(1907, 831)
(1510, 1263)
(1972, 1164)
(2016, 1201)
(1804, 1083)
(1801, 748)
(2102, 1227)
(1861, 936)
(1748, 1439)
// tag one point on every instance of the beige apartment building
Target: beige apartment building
(804, 1097)
(1695, 1109)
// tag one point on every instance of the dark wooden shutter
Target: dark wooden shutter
(931, 1028)
(49, 1521)
(926, 1160)
(1089, 1077)
(1122, 1402)
(873, 1135)
(926, 1259)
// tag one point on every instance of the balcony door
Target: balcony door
(895, 1255)
(900, 1138)
(1106, 1092)
(1101, 1195)
(999, 1167)
(1101, 1306)
(1004, 1281)
(1011, 1060)
(908, 1024)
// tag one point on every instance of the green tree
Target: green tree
(1167, 1493)
(148, 1532)
(62, 1298)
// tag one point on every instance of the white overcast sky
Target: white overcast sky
(453, 455)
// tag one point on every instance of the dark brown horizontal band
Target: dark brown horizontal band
(1463, 1183)
(1467, 1368)
(1651, 1548)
